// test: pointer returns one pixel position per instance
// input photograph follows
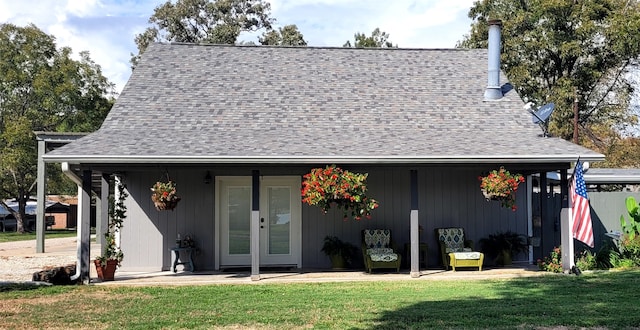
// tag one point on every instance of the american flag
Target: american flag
(581, 214)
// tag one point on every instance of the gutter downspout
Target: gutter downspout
(66, 169)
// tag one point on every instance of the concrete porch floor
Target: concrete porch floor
(310, 276)
(63, 250)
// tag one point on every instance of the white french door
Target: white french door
(280, 220)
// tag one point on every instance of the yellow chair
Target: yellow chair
(455, 251)
(378, 250)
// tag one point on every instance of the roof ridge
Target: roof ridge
(204, 44)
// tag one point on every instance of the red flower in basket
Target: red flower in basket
(501, 185)
(346, 190)
(164, 195)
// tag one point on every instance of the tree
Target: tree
(563, 51)
(217, 22)
(41, 89)
(377, 39)
(289, 35)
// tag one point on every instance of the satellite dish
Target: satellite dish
(541, 117)
(543, 113)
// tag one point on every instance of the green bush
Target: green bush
(586, 260)
(607, 255)
(552, 263)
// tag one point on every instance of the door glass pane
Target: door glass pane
(239, 220)
(279, 219)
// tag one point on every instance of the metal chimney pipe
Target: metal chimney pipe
(494, 91)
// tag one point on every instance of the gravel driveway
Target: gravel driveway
(18, 260)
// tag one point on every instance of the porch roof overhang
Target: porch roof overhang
(225, 160)
(612, 176)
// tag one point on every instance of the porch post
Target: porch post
(102, 211)
(255, 225)
(84, 230)
(414, 232)
(565, 225)
(546, 227)
(41, 196)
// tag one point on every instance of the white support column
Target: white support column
(567, 240)
(415, 245)
(414, 227)
(102, 211)
(41, 196)
(255, 225)
(566, 225)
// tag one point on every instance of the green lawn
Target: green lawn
(595, 300)
(55, 233)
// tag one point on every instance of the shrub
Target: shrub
(586, 260)
(630, 250)
(552, 263)
(607, 255)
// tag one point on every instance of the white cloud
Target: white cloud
(107, 28)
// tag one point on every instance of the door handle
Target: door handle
(261, 221)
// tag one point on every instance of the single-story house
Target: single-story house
(236, 127)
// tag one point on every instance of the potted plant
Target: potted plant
(112, 256)
(341, 253)
(502, 246)
(501, 185)
(163, 195)
(333, 186)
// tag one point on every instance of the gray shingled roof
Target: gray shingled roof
(213, 103)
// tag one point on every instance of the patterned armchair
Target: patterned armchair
(378, 250)
(455, 251)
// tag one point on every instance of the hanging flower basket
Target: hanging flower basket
(500, 185)
(164, 195)
(333, 186)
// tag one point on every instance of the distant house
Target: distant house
(213, 117)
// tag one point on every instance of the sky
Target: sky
(107, 28)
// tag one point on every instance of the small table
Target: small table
(422, 254)
(177, 260)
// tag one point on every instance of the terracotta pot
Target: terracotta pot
(106, 273)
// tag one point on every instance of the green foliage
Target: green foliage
(586, 261)
(630, 251)
(41, 89)
(495, 244)
(607, 255)
(631, 228)
(117, 214)
(378, 39)
(206, 21)
(288, 35)
(552, 263)
(335, 246)
(560, 51)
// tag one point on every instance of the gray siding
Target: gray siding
(448, 196)
(606, 209)
(148, 234)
